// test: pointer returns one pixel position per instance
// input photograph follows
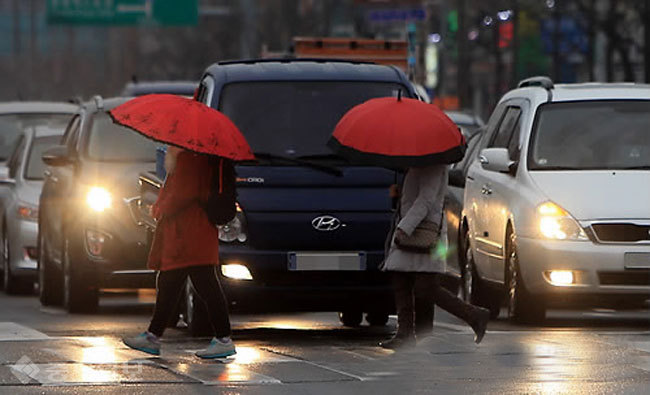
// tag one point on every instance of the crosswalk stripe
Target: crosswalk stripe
(221, 373)
(11, 331)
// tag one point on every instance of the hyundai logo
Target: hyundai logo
(326, 223)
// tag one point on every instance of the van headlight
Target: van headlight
(98, 199)
(234, 230)
(557, 224)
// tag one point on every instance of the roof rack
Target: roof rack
(292, 60)
(541, 81)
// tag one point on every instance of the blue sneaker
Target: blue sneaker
(217, 349)
(144, 342)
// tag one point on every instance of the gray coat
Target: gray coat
(423, 198)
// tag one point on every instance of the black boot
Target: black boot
(480, 320)
(398, 341)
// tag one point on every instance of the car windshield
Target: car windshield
(35, 165)
(293, 118)
(12, 125)
(109, 142)
(593, 135)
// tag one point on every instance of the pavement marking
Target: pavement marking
(73, 374)
(382, 374)
(221, 373)
(356, 354)
(249, 355)
(354, 376)
(11, 331)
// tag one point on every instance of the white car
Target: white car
(557, 203)
(16, 117)
(23, 178)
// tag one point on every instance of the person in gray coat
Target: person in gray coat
(416, 276)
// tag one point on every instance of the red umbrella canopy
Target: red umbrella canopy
(185, 123)
(397, 133)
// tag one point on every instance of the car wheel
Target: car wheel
(13, 285)
(472, 291)
(50, 282)
(79, 294)
(468, 280)
(351, 318)
(196, 315)
(522, 307)
(377, 318)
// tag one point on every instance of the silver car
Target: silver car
(23, 180)
(557, 205)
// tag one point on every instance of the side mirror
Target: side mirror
(496, 159)
(457, 178)
(4, 176)
(57, 156)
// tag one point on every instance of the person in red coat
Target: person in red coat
(186, 244)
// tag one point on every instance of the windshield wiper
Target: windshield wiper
(299, 161)
(644, 167)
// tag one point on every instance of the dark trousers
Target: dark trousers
(415, 296)
(170, 283)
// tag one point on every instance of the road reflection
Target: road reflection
(560, 362)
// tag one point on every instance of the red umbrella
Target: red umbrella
(185, 123)
(398, 133)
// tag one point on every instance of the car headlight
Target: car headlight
(99, 199)
(236, 271)
(557, 224)
(234, 230)
(28, 212)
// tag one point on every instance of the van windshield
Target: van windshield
(295, 118)
(591, 135)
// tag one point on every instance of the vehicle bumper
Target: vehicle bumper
(598, 269)
(26, 235)
(278, 288)
(123, 258)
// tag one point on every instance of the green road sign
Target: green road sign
(123, 12)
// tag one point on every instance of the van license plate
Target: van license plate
(637, 260)
(327, 261)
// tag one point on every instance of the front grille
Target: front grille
(621, 232)
(637, 277)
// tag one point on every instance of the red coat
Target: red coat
(184, 236)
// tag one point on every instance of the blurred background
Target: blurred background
(466, 53)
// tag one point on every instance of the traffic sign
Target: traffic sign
(123, 12)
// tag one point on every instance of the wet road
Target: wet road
(45, 349)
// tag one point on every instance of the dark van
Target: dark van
(310, 228)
